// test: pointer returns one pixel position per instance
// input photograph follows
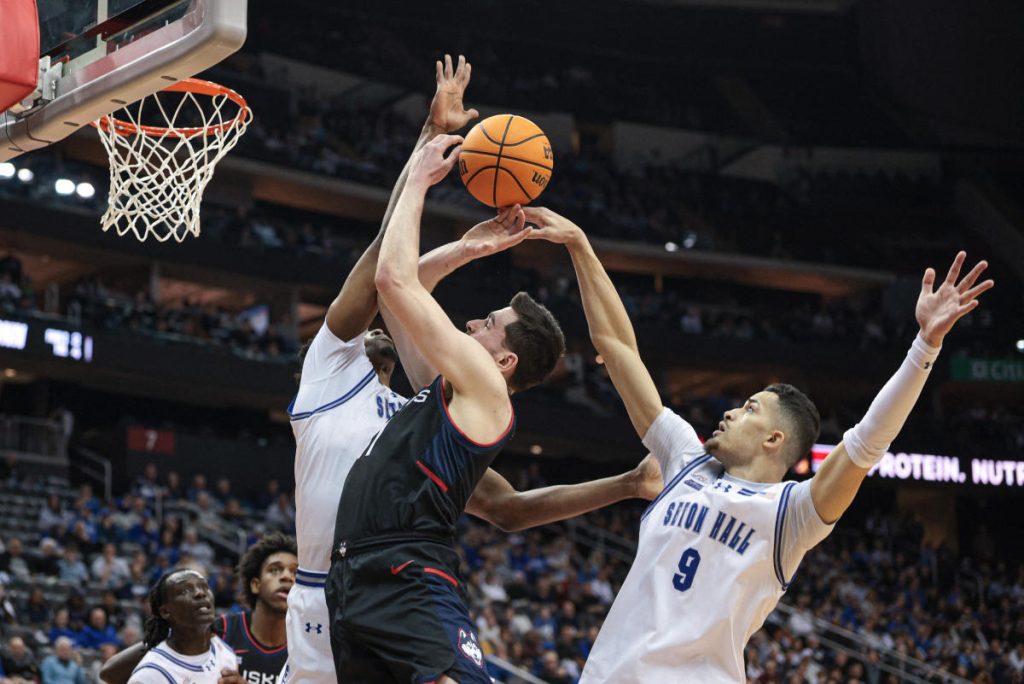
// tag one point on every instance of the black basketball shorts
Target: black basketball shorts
(398, 614)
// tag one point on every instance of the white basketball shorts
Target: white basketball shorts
(309, 640)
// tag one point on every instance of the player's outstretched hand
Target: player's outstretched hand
(429, 164)
(504, 231)
(551, 226)
(447, 112)
(230, 677)
(938, 310)
(648, 479)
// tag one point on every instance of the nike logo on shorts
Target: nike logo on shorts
(395, 571)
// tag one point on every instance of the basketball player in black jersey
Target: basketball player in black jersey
(398, 607)
(266, 573)
(257, 636)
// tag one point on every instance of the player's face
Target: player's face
(380, 349)
(277, 576)
(188, 601)
(490, 332)
(744, 430)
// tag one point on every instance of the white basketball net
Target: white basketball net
(158, 175)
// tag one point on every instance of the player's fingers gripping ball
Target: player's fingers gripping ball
(506, 160)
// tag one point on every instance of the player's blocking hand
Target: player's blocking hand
(447, 111)
(504, 231)
(647, 478)
(938, 310)
(551, 226)
(429, 165)
(230, 677)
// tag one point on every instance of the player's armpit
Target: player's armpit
(835, 485)
(118, 668)
(416, 367)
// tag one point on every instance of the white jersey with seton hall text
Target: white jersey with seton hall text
(163, 665)
(716, 554)
(340, 406)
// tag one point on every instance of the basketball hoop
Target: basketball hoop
(158, 173)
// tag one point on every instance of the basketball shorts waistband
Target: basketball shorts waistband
(310, 578)
(346, 549)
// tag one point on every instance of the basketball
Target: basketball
(506, 160)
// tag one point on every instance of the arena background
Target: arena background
(766, 181)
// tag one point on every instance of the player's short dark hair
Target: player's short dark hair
(803, 417)
(536, 338)
(251, 562)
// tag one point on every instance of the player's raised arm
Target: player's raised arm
(610, 328)
(836, 483)
(489, 237)
(499, 503)
(470, 369)
(353, 309)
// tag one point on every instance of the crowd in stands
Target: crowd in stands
(74, 576)
(73, 582)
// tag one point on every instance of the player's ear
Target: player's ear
(776, 440)
(254, 585)
(507, 361)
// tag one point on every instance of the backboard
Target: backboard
(98, 55)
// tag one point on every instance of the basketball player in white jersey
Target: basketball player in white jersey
(720, 544)
(180, 646)
(344, 400)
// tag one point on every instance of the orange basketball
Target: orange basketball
(506, 160)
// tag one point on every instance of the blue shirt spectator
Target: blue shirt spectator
(61, 627)
(61, 668)
(98, 631)
(72, 569)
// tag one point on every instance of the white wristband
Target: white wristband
(867, 442)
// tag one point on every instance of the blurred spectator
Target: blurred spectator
(107, 651)
(72, 568)
(174, 490)
(8, 613)
(62, 667)
(281, 514)
(196, 548)
(49, 562)
(13, 560)
(110, 570)
(53, 517)
(19, 663)
(146, 485)
(61, 626)
(98, 631)
(36, 611)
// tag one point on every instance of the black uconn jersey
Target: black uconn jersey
(415, 477)
(258, 664)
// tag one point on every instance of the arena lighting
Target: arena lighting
(912, 467)
(10, 373)
(7, 170)
(1020, 346)
(536, 450)
(85, 190)
(26, 175)
(671, 247)
(64, 187)
(690, 240)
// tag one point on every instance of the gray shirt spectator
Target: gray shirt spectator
(109, 569)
